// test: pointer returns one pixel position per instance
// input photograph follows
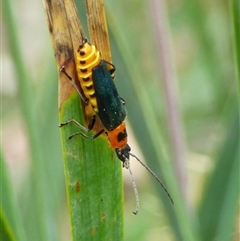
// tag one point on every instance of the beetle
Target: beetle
(96, 80)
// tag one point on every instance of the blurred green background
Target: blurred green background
(202, 51)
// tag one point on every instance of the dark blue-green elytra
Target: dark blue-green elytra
(111, 111)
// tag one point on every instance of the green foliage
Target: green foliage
(204, 51)
(93, 180)
(11, 228)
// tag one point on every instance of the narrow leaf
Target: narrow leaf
(217, 211)
(10, 223)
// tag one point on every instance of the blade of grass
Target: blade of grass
(25, 91)
(95, 201)
(235, 15)
(217, 219)
(7, 233)
(10, 222)
(37, 212)
(92, 172)
(218, 209)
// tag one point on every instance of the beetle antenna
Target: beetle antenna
(153, 174)
(127, 165)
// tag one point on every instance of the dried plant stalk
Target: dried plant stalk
(97, 27)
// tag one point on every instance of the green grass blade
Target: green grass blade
(10, 222)
(92, 172)
(24, 86)
(218, 210)
(94, 181)
(37, 198)
(6, 231)
(235, 14)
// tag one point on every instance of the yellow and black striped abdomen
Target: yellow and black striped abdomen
(87, 58)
